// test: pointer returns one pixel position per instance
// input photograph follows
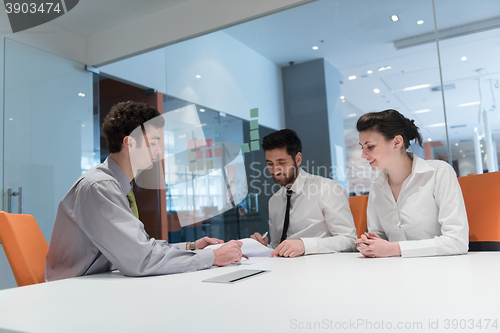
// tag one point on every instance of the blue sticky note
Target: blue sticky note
(254, 135)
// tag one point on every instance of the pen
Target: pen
(244, 256)
(265, 234)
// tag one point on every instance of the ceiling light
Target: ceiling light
(482, 151)
(469, 104)
(429, 139)
(384, 68)
(463, 58)
(456, 144)
(352, 77)
(481, 146)
(315, 47)
(343, 101)
(342, 97)
(198, 76)
(81, 94)
(202, 110)
(461, 151)
(436, 125)
(182, 136)
(11, 119)
(376, 91)
(351, 115)
(420, 22)
(422, 111)
(83, 125)
(417, 87)
(370, 71)
(463, 155)
(394, 18)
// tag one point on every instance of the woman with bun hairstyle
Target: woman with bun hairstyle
(415, 207)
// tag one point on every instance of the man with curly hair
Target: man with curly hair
(97, 228)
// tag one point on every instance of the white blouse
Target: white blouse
(429, 217)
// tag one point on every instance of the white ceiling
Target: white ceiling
(357, 35)
(94, 16)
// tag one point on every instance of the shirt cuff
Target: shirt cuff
(205, 258)
(418, 248)
(310, 245)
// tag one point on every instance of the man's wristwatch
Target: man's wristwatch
(192, 246)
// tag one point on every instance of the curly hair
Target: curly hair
(124, 118)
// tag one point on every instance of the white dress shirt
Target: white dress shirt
(319, 215)
(429, 217)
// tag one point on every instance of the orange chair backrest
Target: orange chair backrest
(358, 209)
(482, 202)
(24, 246)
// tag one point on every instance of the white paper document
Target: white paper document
(250, 248)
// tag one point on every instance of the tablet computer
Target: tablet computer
(236, 276)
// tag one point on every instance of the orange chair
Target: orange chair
(358, 209)
(481, 195)
(24, 246)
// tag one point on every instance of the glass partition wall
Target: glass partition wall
(316, 69)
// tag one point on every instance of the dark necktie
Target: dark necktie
(287, 215)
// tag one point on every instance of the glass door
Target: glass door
(48, 134)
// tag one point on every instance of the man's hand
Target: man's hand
(228, 253)
(372, 246)
(289, 248)
(206, 241)
(258, 238)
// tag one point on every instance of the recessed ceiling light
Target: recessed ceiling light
(469, 104)
(422, 111)
(343, 101)
(315, 47)
(11, 119)
(463, 58)
(351, 115)
(394, 18)
(384, 68)
(482, 151)
(198, 76)
(420, 22)
(83, 125)
(342, 97)
(370, 71)
(436, 125)
(81, 94)
(481, 146)
(456, 144)
(417, 87)
(376, 91)
(429, 139)
(182, 136)
(463, 155)
(352, 77)
(202, 110)
(461, 151)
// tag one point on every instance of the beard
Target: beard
(287, 180)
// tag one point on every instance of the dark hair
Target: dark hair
(285, 138)
(390, 123)
(125, 117)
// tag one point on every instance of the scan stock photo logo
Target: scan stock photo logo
(28, 14)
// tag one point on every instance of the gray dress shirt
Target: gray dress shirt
(95, 231)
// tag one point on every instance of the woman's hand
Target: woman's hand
(372, 246)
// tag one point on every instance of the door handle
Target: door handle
(18, 194)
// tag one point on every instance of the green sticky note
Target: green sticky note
(245, 148)
(191, 156)
(254, 113)
(218, 139)
(254, 124)
(210, 164)
(201, 165)
(255, 145)
(254, 135)
(192, 166)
